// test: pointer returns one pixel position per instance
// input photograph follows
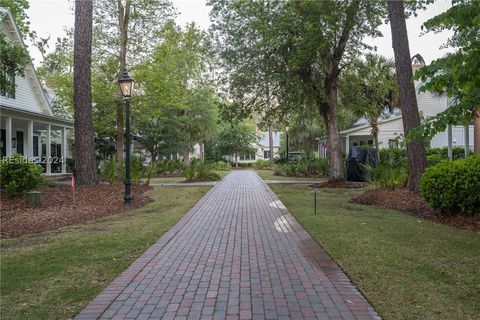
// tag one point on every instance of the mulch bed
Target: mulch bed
(339, 184)
(58, 210)
(410, 202)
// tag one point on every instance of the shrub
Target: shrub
(261, 164)
(149, 172)
(200, 171)
(397, 154)
(434, 159)
(221, 166)
(278, 170)
(453, 186)
(189, 172)
(18, 175)
(168, 166)
(389, 173)
(290, 170)
(109, 170)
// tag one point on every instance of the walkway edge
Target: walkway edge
(107, 296)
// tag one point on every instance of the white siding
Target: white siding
(28, 94)
(430, 104)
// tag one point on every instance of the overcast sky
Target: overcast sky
(49, 17)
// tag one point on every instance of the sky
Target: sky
(50, 17)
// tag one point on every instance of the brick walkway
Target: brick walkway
(238, 254)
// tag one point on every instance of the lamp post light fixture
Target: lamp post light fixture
(126, 86)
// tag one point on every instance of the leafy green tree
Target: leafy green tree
(456, 74)
(13, 61)
(234, 140)
(369, 89)
(126, 32)
(306, 44)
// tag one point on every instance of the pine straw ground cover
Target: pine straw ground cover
(410, 202)
(407, 267)
(58, 209)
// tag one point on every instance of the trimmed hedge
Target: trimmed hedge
(453, 186)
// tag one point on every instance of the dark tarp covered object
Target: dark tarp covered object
(357, 157)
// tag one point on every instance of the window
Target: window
(35, 146)
(247, 157)
(266, 154)
(393, 143)
(10, 94)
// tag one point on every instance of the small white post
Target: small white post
(48, 153)
(64, 150)
(449, 134)
(8, 136)
(347, 145)
(467, 140)
(29, 153)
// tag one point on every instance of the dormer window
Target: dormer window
(10, 93)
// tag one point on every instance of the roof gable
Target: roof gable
(29, 93)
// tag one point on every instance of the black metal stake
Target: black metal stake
(128, 184)
(315, 203)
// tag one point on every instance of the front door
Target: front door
(20, 142)
(3, 143)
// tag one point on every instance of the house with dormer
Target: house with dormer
(27, 125)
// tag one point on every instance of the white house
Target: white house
(262, 148)
(26, 119)
(391, 126)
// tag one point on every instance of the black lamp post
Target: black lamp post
(126, 85)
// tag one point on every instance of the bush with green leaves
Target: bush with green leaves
(389, 173)
(113, 173)
(278, 170)
(453, 186)
(261, 164)
(200, 171)
(397, 154)
(169, 166)
(221, 166)
(434, 159)
(291, 170)
(17, 175)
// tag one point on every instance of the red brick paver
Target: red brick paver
(237, 254)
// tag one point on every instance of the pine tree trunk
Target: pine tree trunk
(236, 160)
(476, 131)
(329, 114)
(270, 141)
(85, 162)
(408, 101)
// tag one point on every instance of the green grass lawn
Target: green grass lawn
(180, 179)
(268, 175)
(53, 275)
(407, 267)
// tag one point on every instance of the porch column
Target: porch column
(347, 145)
(467, 140)
(449, 134)
(29, 152)
(64, 150)
(449, 143)
(8, 136)
(48, 153)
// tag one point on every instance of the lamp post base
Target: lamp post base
(128, 193)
